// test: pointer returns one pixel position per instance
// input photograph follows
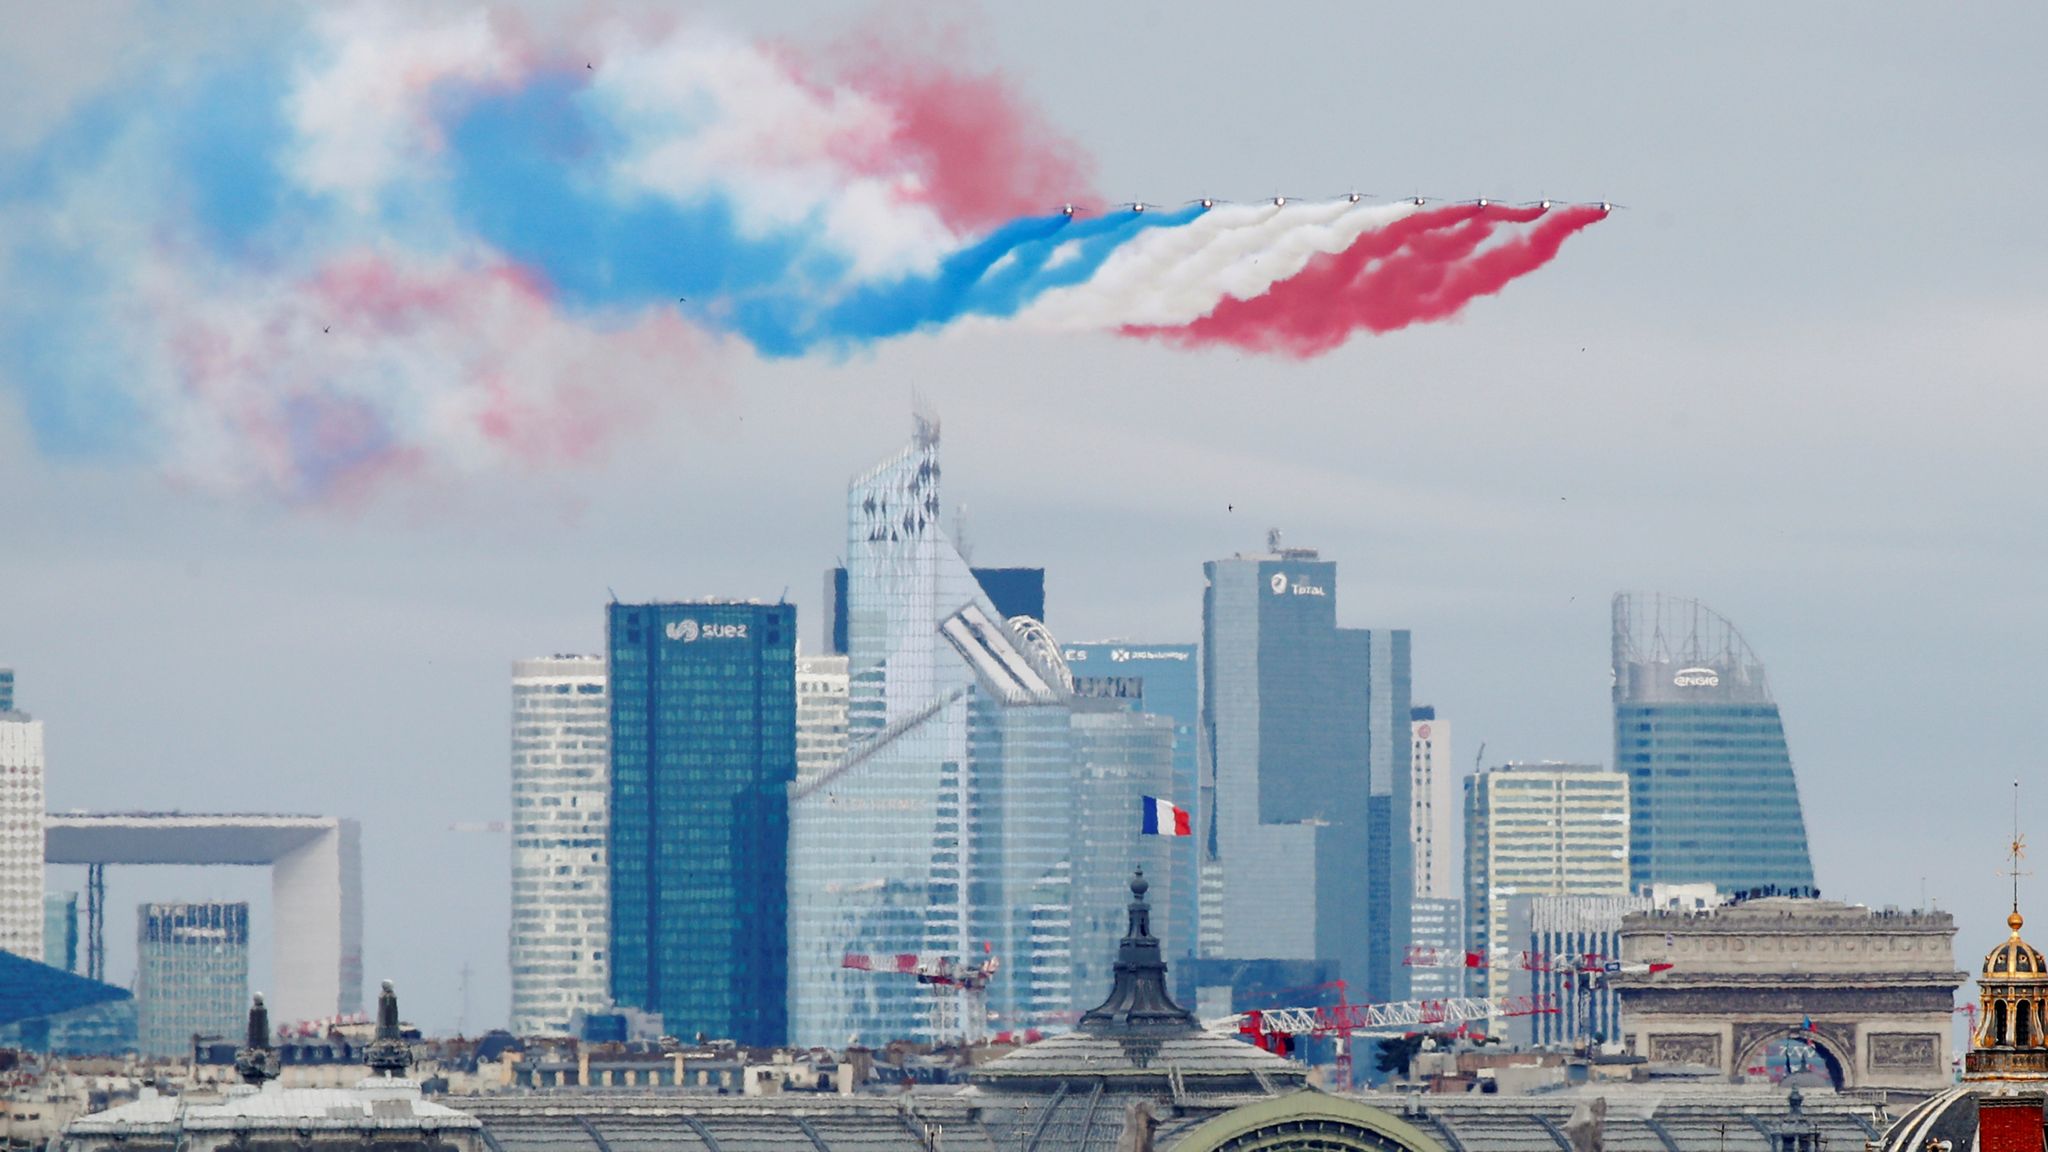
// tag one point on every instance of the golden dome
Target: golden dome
(2015, 959)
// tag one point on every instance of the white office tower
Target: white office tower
(944, 831)
(820, 715)
(21, 835)
(1544, 829)
(560, 887)
(1432, 805)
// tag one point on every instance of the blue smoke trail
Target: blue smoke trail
(518, 163)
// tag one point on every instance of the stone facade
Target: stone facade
(1872, 991)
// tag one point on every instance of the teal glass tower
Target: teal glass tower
(1712, 795)
(703, 747)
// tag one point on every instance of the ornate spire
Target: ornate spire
(2018, 849)
(388, 1054)
(2011, 1042)
(1138, 1000)
(255, 1061)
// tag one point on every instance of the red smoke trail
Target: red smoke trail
(985, 154)
(1420, 268)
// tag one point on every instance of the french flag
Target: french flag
(1163, 818)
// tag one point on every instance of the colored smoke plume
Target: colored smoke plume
(393, 240)
(1425, 267)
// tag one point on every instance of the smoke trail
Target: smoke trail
(408, 241)
(1423, 268)
(1232, 250)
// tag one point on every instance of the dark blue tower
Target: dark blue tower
(703, 747)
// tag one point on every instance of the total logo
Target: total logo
(690, 631)
(1301, 587)
(1697, 678)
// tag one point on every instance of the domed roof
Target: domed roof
(1944, 1120)
(1140, 1040)
(2015, 959)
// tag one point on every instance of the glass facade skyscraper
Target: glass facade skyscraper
(60, 930)
(945, 831)
(191, 974)
(561, 786)
(1713, 798)
(1120, 757)
(703, 749)
(1161, 680)
(1012, 592)
(1303, 820)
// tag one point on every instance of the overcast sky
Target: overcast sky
(1799, 379)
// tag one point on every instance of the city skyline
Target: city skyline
(1402, 738)
(1764, 385)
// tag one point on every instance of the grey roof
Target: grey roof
(1204, 1064)
(383, 1103)
(1139, 1040)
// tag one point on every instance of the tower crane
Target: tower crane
(1421, 956)
(1278, 1029)
(960, 990)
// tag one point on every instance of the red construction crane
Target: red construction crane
(1276, 1029)
(1424, 957)
(960, 1004)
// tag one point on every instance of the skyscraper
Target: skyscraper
(1120, 757)
(703, 749)
(191, 974)
(820, 715)
(561, 787)
(1545, 829)
(1432, 804)
(6, 689)
(1160, 680)
(1697, 733)
(1438, 926)
(1303, 815)
(60, 930)
(21, 835)
(946, 829)
(1012, 592)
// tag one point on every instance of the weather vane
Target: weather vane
(2018, 849)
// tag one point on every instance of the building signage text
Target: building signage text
(690, 631)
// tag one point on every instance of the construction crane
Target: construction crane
(960, 991)
(1419, 956)
(1278, 1029)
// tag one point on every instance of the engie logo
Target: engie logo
(1279, 583)
(684, 630)
(689, 631)
(1697, 678)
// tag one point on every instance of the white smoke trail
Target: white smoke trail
(1173, 276)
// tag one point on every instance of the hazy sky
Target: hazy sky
(1798, 379)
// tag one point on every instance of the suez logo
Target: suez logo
(690, 631)
(1697, 678)
(1300, 586)
(1122, 655)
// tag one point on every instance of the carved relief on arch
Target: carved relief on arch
(1687, 1048)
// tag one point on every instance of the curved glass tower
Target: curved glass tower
(943, 833)
(1712, 795)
